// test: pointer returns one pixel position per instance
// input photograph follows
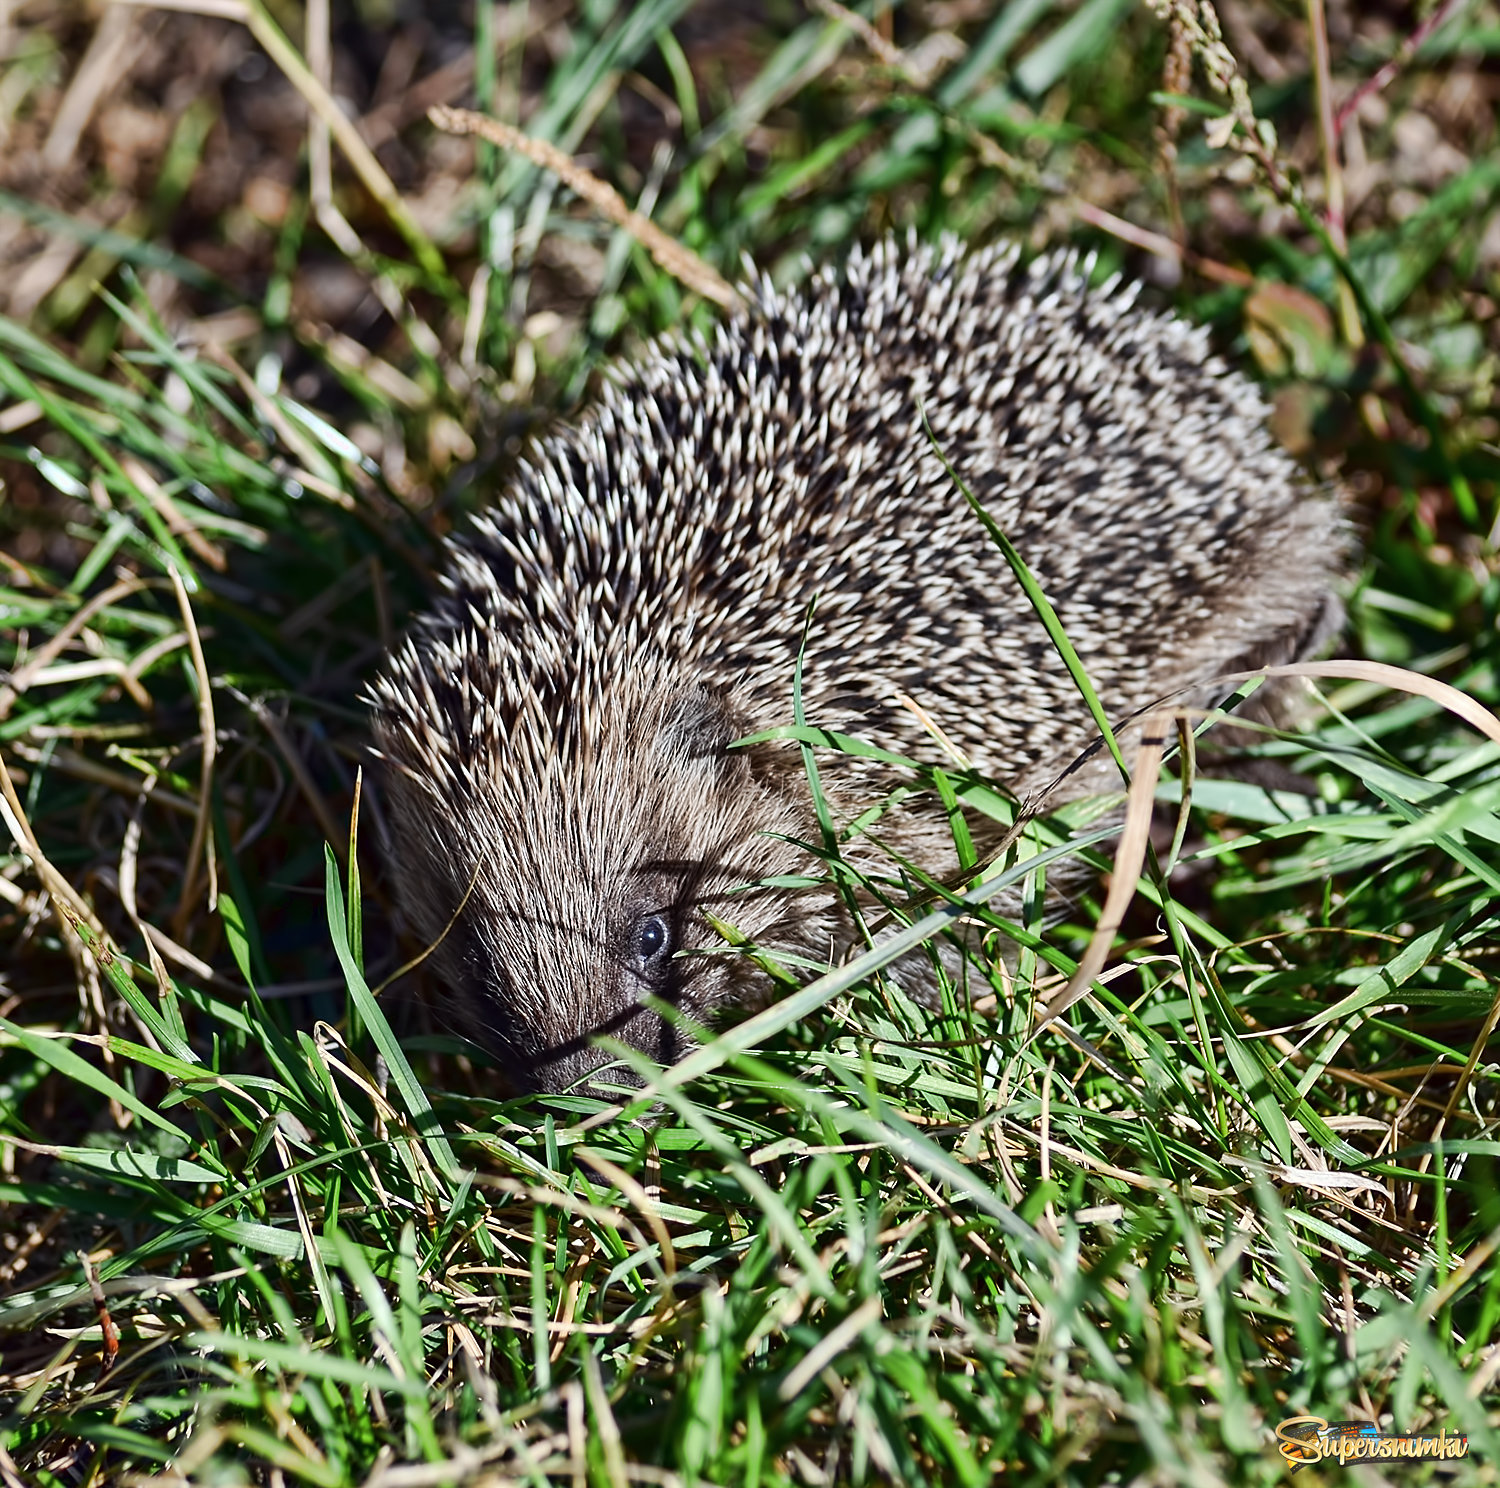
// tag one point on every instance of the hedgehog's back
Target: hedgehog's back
(716, 491)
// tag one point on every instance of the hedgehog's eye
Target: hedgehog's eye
(653, 945)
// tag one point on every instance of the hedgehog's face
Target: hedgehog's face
(635, 963)
(586, 912)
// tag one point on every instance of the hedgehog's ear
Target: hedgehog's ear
(701, 725)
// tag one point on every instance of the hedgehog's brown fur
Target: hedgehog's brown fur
(556, 726)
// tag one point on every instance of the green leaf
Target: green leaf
(418, 1107)
(129, 1163)
(62, 1058)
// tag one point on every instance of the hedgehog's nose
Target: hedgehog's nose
(573, 1073)
(571, 1067)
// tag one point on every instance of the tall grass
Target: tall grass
(259, 1224)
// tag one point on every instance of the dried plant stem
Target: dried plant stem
(206, 551)
(1239, 128)
(1177, 79)
(333, 831)
(359, 155)
(329, 121)
(319, 49)
(108, 56)
(49, 651)
(1317, 23)
(1130, 858)
(71, 909)
(682, 263)
(878, 44)
(223, 10)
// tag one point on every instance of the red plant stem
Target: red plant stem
(1161, 246)
(1403, 55)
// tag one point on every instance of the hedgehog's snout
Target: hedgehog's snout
(598, 975)
(569, 1066)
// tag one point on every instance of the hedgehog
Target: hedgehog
(571, 810)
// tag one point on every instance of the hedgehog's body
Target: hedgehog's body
(557, 726)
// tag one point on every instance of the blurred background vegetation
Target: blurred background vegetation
(266, 335)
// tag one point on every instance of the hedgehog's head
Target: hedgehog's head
(568, 863)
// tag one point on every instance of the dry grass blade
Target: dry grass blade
(202, 837)
(177, 524)
(253, 15)
(8, 1474)
(359, 155)
(409, 966)
(828, 1348)
(71, 909)
(888, 54)
(223, 10)
(57, 643)
(614, 1174)
(1160, 245)
(292, 437)
(1130, 857)
(333, 832)
(682, 263)
(1481, 1043)
(1333, 175)
(1400, 679)
(104, 62)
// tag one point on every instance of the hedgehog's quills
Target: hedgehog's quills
(555, 728)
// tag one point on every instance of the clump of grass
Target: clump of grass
(252, 1231)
